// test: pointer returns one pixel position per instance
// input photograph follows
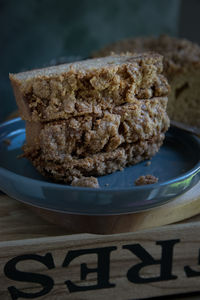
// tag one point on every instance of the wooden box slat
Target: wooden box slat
(24, 233)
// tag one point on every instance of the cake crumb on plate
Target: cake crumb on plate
(91, 182)
(146, 179)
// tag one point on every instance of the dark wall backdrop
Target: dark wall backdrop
(189, 23)
(33, 32)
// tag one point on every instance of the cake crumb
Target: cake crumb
(148, 163)
(146, 179)
(7, 142)
(91, 182)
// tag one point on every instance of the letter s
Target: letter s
(11, 272)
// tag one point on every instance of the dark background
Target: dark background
(36, 32)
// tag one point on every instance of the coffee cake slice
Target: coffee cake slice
(94, 117)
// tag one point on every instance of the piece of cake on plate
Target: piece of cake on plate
(93, 117)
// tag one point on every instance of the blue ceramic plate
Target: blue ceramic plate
(177, 165)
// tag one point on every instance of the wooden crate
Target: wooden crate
(39, 260)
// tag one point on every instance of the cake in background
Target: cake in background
(181, 67)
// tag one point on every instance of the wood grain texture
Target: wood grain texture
(18, 223)
(22, 232)
(185, 253)
(13, 216)
(180, 208)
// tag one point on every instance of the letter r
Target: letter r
(147, 260)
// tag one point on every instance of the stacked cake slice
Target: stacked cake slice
(93, 117)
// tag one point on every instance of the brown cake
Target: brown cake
(93, 117)
(181, 67)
